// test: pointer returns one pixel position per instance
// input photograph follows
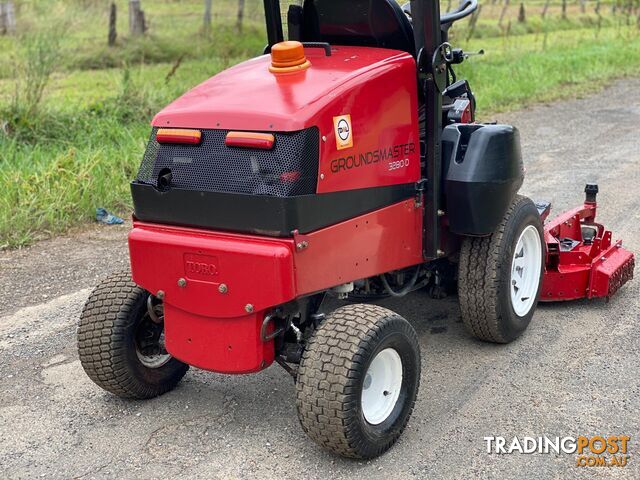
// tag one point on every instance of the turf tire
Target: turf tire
(106, 344)
(331, 376)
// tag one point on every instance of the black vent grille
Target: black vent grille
(289, 169)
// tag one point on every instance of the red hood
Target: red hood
(249, 97)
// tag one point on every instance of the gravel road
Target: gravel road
(574, 372)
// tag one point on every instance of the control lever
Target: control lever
(459, 56)
(479, 52)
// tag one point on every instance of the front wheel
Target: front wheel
(500, 276)
(358, 380)
(120, 346)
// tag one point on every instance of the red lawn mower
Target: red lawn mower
(344, 161)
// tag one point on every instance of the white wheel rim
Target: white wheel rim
(381, 387)
(525, 271)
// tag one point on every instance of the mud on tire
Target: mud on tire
(332, 375)
(107, 342)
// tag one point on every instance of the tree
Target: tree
(545, 8)
(503, 12)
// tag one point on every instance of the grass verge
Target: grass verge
(520, 71)
(84, 146)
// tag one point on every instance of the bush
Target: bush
(33, 63)
(38, 55)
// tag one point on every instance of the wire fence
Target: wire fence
(178, 17)
(96, 22)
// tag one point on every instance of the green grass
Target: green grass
(519, 71)
(84, 143)
(84, 147)
(488, 24)
(50, 188)
(175, 30)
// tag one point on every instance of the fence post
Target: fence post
(564, 9)
(137, 25)
(522, 17)
(7, 18)
(113, 33)
(240, 15)
(206, 18)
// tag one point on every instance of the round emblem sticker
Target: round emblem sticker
(342, 127)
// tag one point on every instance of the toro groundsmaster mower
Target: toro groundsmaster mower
(344, 161)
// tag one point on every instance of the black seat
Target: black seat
(366, 23)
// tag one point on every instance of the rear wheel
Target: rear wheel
(121, 347)
(358, 380)
(500, 276)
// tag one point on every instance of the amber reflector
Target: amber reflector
(250, 140)
(178, 135)
(288, 57)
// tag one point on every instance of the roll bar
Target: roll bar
(273, 21)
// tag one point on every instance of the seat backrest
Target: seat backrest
(367, 23)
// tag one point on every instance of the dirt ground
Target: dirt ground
(574, 372)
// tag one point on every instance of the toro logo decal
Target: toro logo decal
(344, 134)
(200, 267)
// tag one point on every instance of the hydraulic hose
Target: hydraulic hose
(406, 289)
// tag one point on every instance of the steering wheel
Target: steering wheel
(466, 8)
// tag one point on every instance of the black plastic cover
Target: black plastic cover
(260, 214)
(484, 171)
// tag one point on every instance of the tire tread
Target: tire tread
(326, 388)
(479, 274)
(102, 341)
